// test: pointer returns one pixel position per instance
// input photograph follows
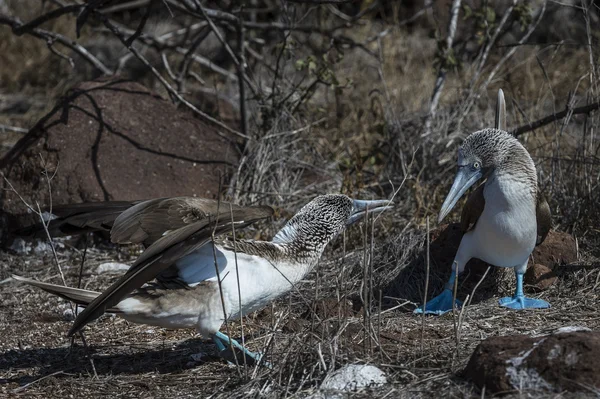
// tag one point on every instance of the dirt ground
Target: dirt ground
(421, 357)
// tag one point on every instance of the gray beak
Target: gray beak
(465, 178)
(361, 208)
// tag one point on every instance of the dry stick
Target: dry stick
(238, 62)
(508, 55)
(52, 37)
(371, 296)
(237, 273)
(141, 25)
(457, 334)
(379, 326)
(162, 80)
(221, 285)
(470, 97)
(463, 311)
(426, 287)
(441, 78)
(6, 128)
(586, 109)
(365, 290)
(455, 291)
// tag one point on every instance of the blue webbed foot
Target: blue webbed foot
(440, 304)
(222, 342)
(522, 302)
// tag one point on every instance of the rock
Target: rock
(562, 361)
(353, 377)
(114, 139)
(112, 268)
(540, 277)
(557, 249)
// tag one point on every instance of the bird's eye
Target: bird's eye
(476, 165)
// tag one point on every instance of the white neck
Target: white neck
(285, 235)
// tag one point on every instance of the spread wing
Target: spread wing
(476, 202)
(73, 219)
(174, 244)
(150, 220)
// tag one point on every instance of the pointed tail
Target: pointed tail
(77, 295)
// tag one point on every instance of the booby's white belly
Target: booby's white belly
(200, 306)
(260, 282)
(506, 231)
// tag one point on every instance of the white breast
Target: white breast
(506, 231)
(260, 280)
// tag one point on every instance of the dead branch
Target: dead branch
(113, 28)
(441, 78)
(51, 37)
(586, 109)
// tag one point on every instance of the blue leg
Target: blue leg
(519, 300)
(222, 342)
(442, 303)
(220, 345)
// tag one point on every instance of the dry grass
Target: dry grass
(123, 359)
(364, 140)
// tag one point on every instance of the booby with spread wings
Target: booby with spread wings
(175, 281)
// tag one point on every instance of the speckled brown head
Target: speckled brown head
(322, 219)
(483, 153)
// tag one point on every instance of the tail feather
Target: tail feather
(77, 295)
(75, 219)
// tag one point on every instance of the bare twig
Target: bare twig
(586, 109)
(426, 286)
(441, 78)
(51, 37)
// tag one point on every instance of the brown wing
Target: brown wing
(543, 216)
(162, 253)
(472, 209)
(148, 221)
(73, 219)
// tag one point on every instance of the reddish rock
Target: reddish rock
(540, 277)
(115, 140)
(557, 249)
(563, 361)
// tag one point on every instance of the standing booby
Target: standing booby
(507, 212)
(186, 258)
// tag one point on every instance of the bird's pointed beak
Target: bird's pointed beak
(465, 178)
(362, 207)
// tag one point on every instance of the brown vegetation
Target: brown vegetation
(331, 103)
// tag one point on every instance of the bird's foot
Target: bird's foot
(440, 304)
(239, 351)
(522, 302)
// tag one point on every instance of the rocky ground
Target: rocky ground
(306, 336)
(339, 103)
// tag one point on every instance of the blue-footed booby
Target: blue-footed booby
(507, 212)
(190, 277)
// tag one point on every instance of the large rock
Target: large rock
(114, 139)
(567, 360)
